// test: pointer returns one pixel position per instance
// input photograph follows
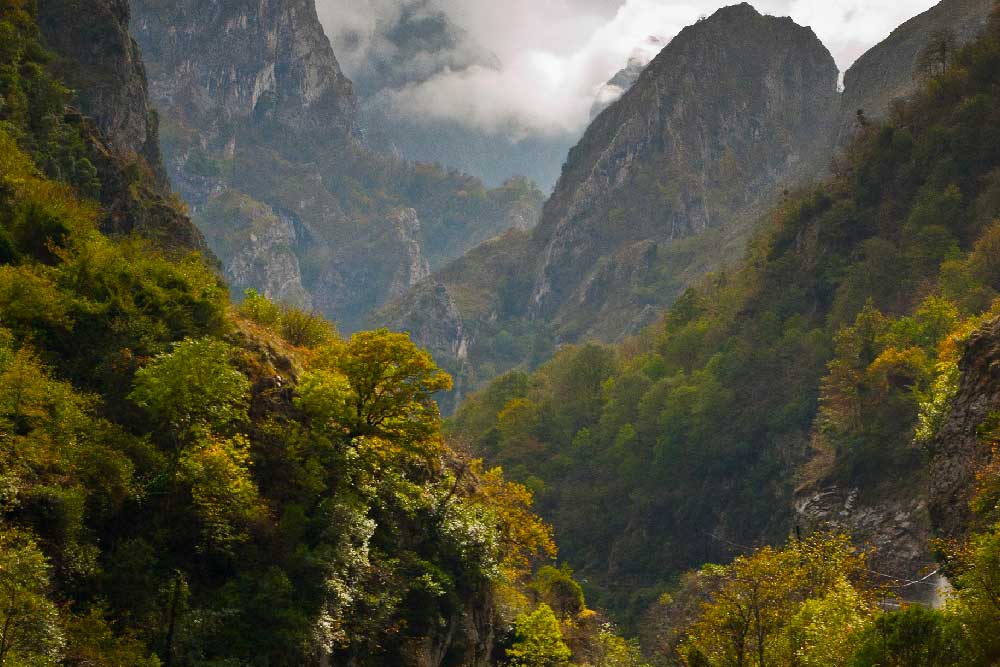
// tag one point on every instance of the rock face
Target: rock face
(890, 71)
(731, 111)
(264, 143)
(263, 248)
(957, 452)
(895, 523)
(99, 59)
(102, 62)
(228, 61)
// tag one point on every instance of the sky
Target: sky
(556, 54)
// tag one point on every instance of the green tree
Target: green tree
(30, 635)
(538, 641)
(556, 587)
(914, 637)
(376, 385)
(193, 386)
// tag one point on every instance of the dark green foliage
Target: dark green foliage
(914, 637)
(33, 102)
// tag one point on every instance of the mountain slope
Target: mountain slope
(665, 186)
(649, 203)
(798, 390)
(891, 70)
(177, 486)
(673, 157)
(262, 133)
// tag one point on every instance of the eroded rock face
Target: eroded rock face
(99, 59)
(226, 61)
(260, 249)
(894, 523)
(102, 62)
(957, 452)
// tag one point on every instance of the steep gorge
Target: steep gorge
(261, 132)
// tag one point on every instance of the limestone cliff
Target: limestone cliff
(256, 109)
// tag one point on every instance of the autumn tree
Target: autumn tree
(538, 641)
(378, 385)
(778, 606)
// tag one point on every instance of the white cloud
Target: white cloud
(557, 54)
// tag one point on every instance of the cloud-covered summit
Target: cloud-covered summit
(528, 68)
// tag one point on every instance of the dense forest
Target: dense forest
(185, 482)
(826, 357)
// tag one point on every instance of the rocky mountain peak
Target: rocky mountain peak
(732, 109)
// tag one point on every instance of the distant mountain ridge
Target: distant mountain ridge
(670, 180)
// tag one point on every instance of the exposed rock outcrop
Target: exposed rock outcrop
(958, 451)
(261, 246)
(99, 59)
(665, 186)
(226, 61)
(894, 523)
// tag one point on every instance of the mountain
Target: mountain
(839, 377)
(666, 185)
(669, 183)
(262, 133)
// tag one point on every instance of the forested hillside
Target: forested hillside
(823, 361)
(184, 482)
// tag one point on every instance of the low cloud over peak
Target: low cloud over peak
(523, 68)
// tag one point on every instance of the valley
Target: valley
(282, 385)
